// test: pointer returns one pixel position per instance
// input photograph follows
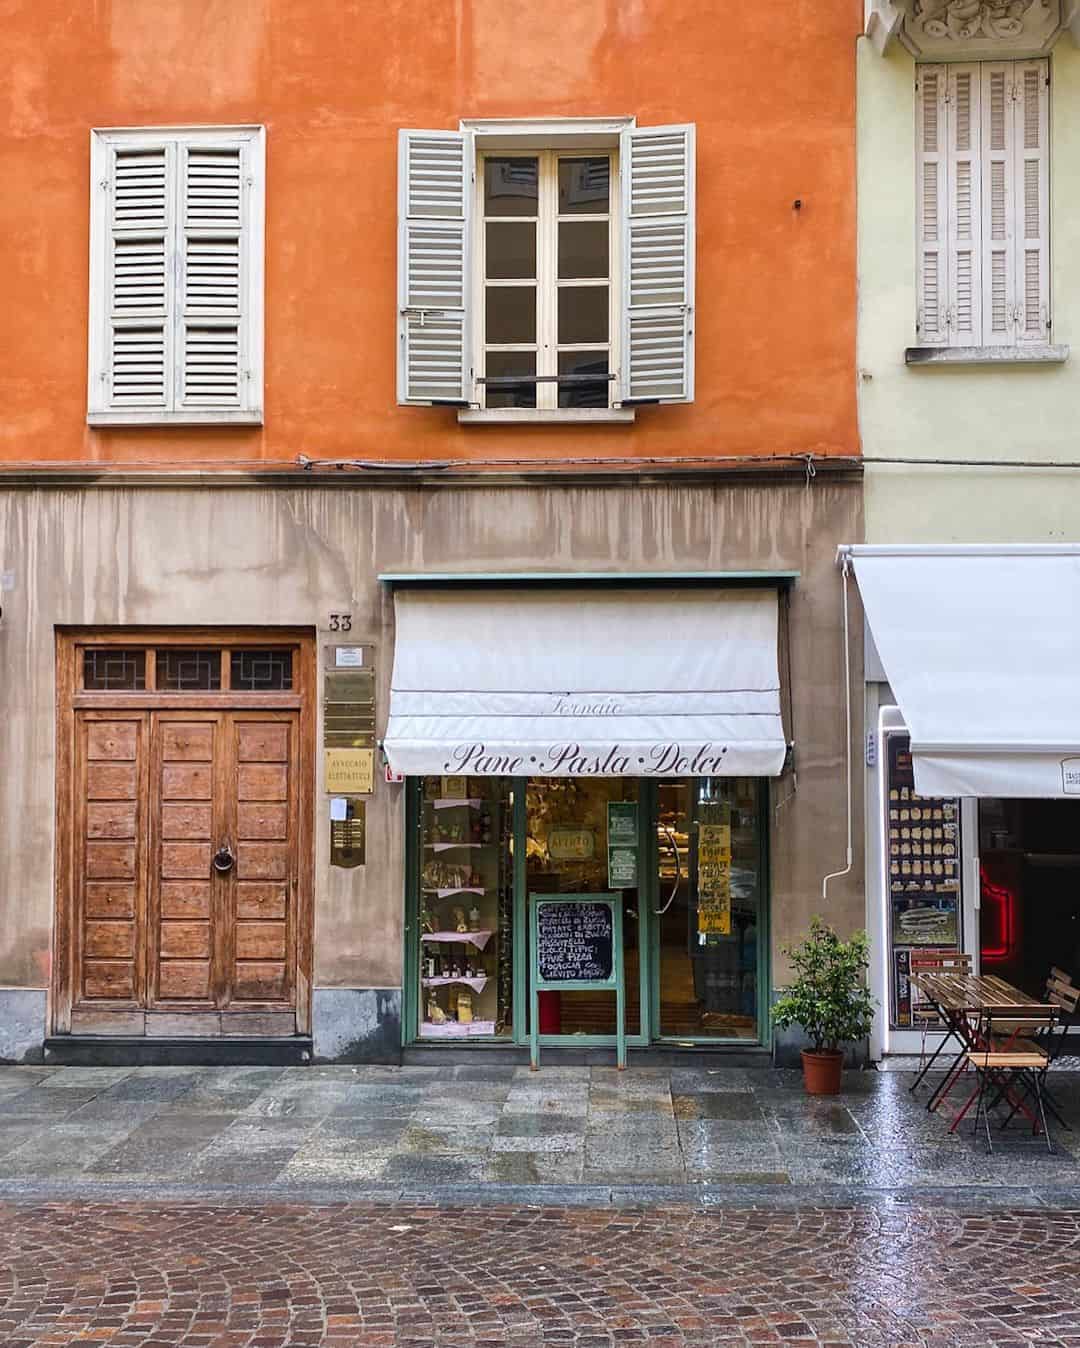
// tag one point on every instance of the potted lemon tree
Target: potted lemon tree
(830, 999)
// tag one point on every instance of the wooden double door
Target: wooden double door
(182, 899)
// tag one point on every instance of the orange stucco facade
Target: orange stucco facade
(770, 88)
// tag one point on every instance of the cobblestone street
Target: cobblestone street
(367, 1275)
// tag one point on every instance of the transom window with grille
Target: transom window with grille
(983, 203)
(176, 241)
(546, 269)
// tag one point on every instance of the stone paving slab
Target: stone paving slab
(397, 1128)
(417, 1275)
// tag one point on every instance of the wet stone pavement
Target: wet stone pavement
(352, 1131)
(484, 1206)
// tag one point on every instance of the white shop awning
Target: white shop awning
(981, 646)
(538, 681)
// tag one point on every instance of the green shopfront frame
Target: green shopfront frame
(649, 900)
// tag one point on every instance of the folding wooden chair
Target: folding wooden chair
(1012, 1062)
(947, 962)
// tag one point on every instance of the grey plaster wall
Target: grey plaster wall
(291, 554)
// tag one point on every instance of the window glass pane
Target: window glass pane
(584, 186)
(511, 314)
(583, 248)
(508, 365)
(592, 394)
(511, 186)
(261, 671)
(511, 250)
(583, 314)
(107, 669)
(466, 938)
(180, 670)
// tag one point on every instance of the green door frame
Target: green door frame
(648, 930)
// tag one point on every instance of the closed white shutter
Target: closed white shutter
(932, 205)
(176, 276)
(211, 367)
(137, 345)
(965, 217)
(998, 208)
(435, 188)
(1032, 200)
(657, 357)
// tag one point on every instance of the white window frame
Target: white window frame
(248, 410)
(547, 282)
(549, 139)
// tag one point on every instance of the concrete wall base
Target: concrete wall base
(361, 1025)
(22, 1024)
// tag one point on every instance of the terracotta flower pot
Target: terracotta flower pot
(821, 1071)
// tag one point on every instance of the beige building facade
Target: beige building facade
(277, 556)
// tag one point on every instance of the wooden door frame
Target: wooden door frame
(71, 697)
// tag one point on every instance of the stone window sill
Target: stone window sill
(918, 356)
(532, 416)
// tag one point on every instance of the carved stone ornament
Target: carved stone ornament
(972, 30)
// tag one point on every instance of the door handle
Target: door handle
(224, 859)
(670, 834)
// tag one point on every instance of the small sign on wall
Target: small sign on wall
(349, 770)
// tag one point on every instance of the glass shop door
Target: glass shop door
(710, 919)
(584, 835)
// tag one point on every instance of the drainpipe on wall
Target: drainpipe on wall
(845, 562)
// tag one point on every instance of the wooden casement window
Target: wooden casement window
(553, 278)
(983, 203)
(176, 276)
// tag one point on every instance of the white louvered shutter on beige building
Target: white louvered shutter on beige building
(657, 167)
(176, 276)
(982, 204)
(932, 205)
(435, 178)
(1032, 201)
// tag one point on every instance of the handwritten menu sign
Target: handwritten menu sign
(574, 943)
(714, 879)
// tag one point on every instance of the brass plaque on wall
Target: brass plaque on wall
(349, 698)
(348, 835)
(349, 770)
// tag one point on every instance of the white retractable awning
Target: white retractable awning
(981, 646)
(584, 682)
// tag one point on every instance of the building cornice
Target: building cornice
(356, 474)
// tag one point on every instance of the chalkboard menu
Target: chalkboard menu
(574, 942)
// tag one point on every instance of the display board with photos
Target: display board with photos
(923, 874)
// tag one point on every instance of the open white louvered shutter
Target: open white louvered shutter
(435, 178)
(176, 276)
(657, 168)
(982, 204)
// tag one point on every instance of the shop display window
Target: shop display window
(466, 912)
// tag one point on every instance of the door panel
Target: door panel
(263, 884)
(109, 870)
(185, 824)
